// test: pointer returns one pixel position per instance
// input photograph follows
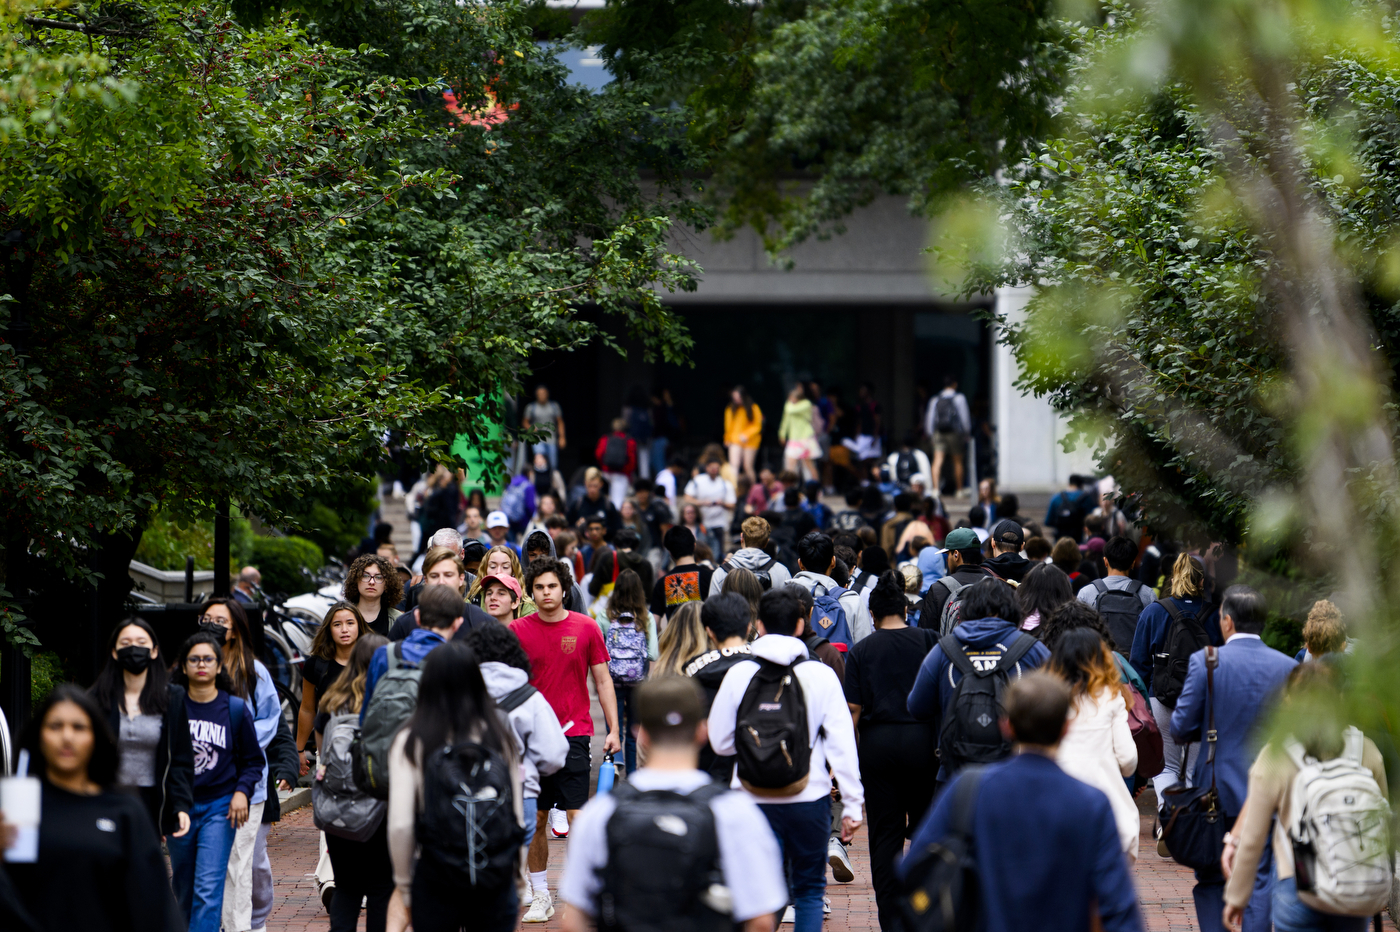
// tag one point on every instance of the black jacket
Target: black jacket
(931, 613)
(1009, 566)
(282, 764)
(174, 759)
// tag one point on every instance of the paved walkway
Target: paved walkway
(1164, 887)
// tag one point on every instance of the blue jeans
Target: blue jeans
(625, 723)
(550, 449)
(802, 830)
(658, 454)
(1209, 894)
(198, 863)
(530, 805)
(1292, 915)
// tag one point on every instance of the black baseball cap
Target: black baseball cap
(1008, 533)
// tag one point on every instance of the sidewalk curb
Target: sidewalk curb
(301, 796)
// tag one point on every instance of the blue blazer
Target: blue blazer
(1247, 683)
(1046, 847)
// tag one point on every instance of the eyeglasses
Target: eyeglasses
(201, 661)
(372, 579)
(215, 620)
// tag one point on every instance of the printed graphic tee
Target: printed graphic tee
(688, 583)
(561, 653)
(218, 768)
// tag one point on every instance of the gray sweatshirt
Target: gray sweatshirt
(539, 740)
(749, 558)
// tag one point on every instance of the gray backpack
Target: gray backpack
(395, 697)
(338, 805)
(952, 609)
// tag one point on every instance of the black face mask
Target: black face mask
(214, 628)
(134, 659)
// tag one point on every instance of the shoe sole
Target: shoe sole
(547, 916)
(840, 871)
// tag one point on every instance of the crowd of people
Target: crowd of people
(769, 677)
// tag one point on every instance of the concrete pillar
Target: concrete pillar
(1030, 457)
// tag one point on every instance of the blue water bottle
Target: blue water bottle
(607, 775)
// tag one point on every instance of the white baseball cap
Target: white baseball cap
(497, 519)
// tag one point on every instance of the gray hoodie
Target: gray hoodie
(857, 614)
(749, 558)
(538, 738)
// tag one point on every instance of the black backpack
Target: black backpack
(1120, 609)
(1185, 636)
(1069, 517)
(945, 415)
(765, 578)
(615, 454)
(770, 732)
(905, 467)
(468, 820)
(663, 858)
(971, 732)
(940, 882)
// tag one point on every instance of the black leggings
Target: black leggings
(897, 769)
(362, 869)
(443, 901)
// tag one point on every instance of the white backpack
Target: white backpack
(1340, 832)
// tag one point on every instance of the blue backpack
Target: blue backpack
(627, 650)
(829, 618)
(517, 501)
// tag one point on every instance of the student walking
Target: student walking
(565, 649)
(624, 855)
(99, 867)
(455, 798)
(687, 581)
(1045, 847)
(726, 619)
(1118, 597)
(1098, 746)
(228, 766)
(798, 433)
(811, 726)
(743, 432)
(630, 638)
(361, 868)
(898, 752)
(340, 630)
(146, 715)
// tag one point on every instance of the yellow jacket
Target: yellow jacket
(740, 429)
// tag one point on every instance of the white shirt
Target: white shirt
(1241, 634)
(704, 488)
(748, 853)
(833, 735)
(667, 480)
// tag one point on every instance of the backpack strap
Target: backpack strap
(1353, 744)
(952, 585)
(235, 715)
(1134, 586)
(1100, 587)
(1013, 654)
(516, 698)
(1296, 752)
(1212, 661)
(768, 565)
(957, 654)
(1171, 608)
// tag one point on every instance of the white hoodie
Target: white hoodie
(749, 558)
(856, 609)
(539, 740)
(833, 735)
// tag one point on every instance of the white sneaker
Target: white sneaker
(558, 823)
(840, 862)
(541, 908)
(826, 907)
(789, 915)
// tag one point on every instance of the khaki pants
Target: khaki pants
(238, 883)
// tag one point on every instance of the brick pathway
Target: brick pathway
(1164, 887)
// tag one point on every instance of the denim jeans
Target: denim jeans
(802, 830)
(1209, 896)
(198, 863)
(1292, 915)
(550, 449)
(658, 455)
(625, 723)
(530, 806)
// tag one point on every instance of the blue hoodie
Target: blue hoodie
(985, 638)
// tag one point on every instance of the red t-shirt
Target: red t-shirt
(561, 654)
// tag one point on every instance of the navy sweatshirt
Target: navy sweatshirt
(225, 761)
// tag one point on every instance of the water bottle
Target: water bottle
(607, 775)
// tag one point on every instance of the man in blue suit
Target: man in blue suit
(1046, 845)
(1246, 684)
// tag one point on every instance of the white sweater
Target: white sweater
(827, 713)
(1098, 749)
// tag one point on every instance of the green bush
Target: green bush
(281, 561)
(335, 518)
(167, 540)
(46, 672)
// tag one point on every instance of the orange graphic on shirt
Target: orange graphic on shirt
(567, 645)
(682, 588)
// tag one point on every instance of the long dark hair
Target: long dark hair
(1045, 588)
(322, 646)
(110, 688)
(201, 637)
(102, 766)
(237, 658)
(745, 400)
(604, 570)
(1084, 661)
(628, 596)
(453, 705)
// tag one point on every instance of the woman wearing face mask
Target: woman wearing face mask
(228, 768)
(249, 890)
(100, 868)
(146, 713)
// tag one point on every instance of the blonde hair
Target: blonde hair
(1324, 632)
(515, 569)
(437, 554)
(683, 638)
(345, 695)
(591, 473)
(1188, 579)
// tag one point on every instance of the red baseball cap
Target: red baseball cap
(510, 582)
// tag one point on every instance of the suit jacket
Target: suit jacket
(1247, 683)
(1046, 846)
